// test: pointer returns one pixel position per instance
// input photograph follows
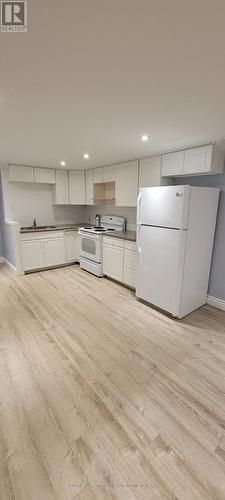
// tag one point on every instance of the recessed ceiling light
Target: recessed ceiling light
(63, 163)
(86, 156)
(144, 138)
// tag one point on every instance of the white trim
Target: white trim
(213, 301)
(9, 264)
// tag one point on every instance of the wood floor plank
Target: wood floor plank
(104, 397)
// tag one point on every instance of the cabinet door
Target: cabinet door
(44, 175)
(127, 184)
(89, 188)
(113, 262)
(109, 173)
(55, 251)
(130, 258)
(71, 246)
(98, 175)
(76, 187)
(150, 172)
(198, 160)
(20, 174)
(61, 188)
(33, 255)
(129, 277)
(173, 164)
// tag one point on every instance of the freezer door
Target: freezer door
(160, 267)
(164, 206)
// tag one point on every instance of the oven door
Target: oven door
(91, 247)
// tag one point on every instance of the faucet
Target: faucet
(35, 223)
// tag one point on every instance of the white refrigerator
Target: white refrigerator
(175, 234)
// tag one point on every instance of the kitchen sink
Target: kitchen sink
(33, 228)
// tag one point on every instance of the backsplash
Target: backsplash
(26, 201)
(109, 209)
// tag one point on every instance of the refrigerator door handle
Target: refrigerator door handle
(138, 207)
(138, 239)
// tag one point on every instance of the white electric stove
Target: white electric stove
(91, 242)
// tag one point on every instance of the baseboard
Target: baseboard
(2, 259)
(8, 263)
(213, 301)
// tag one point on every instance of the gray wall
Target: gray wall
(217, 277)
(1, 249)
(6, 234)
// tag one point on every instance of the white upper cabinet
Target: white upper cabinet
(204, 160)
(89, 188)
(109, 173)
(103, 175)
(77, 187)
(98, 175)
(195, 161)
(44, 175)
(150, 172)
(173, 164)
(127, 184)
(198, 160)
(18, 173)
(61, 188)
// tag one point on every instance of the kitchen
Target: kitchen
(108, 246)
(112, 224)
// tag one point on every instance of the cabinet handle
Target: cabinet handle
(138, 207)
(138, 239)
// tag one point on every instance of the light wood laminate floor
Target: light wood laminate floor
(103, 397)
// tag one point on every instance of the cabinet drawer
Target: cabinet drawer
(130, 245)
(129, 277)
(130, 259)
(41, 235)
(115, 242)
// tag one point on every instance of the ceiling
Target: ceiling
(94, 75)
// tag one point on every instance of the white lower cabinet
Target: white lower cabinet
(129, 277)
(33, 255)
(120, 260)
(55, 251)
(113, 262)
(48, 249)
(72, 246)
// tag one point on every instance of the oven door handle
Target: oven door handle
(87, 235)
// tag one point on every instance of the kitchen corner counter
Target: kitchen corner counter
(124, 235)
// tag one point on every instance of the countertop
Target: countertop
(58, 227)
(125, 235)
